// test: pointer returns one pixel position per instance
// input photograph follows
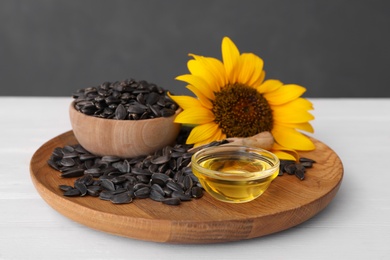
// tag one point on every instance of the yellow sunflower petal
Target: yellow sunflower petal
(284, 156)
(244, 68)
(284, 94)
(202, 98)
(250, 68)
(195, 115)
(198, 83)
(230, 56)
(294, 118)
(258, 74)
(198, 70)
(295, 111)
(292, 152)
(269, 85)
(285, 115)
(215, 67)
(185, 101)
(259, 80)
(291, 138)
(220, 135)
(298, 104)
(301, 126)
(203, 132)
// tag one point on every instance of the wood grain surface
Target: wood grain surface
(287, 203)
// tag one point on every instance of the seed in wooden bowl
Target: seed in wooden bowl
(125, 100)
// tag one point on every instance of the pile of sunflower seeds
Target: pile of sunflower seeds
(163, 176)
(296, 168)
(125, 100)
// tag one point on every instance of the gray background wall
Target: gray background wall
(335, 48)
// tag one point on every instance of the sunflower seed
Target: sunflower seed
(118, 180)
(167, 191)
(142, 193)
(122, 198)
(153, 168)
(70, 155)
(140, 171)
(174, 186)
(72, 193)
(161, 159)
(307, 164)
(65, 187)
(68, 162)
(88, 156)
(197, 192)
(87, 179)
(188, 182)
(95, 172)
(159, 178)
(158, 189)
(119, 191)
(135, 109)
(300, 171)
(68, 149)
(120, 112)
(110, 159)
(114, 174)
(166, 112)
(156, 196)
(187, 155)
(124, 167)
(152, 98)
(143, 178)
(105, 195)
(81, 187)
(130, 179)
(290, 168)
(140, 185)
(171, 201)
(140, 98)
(181, 196)
(107, 184)
(176, 154)
(304, 159)
(79, 149)
(73, 173)
(53, 164)
(94, 190)
(57, 152)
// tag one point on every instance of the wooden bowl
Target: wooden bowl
(123, 138)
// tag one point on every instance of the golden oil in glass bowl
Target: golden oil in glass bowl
(235, 174)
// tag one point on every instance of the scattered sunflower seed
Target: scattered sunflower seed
(296, 168)
(163, 176)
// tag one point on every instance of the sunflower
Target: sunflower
(233, 100)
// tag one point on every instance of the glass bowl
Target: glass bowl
(235, 174)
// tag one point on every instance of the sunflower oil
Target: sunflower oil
(235, 178)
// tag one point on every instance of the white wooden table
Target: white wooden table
(356, 224)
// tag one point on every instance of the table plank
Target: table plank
(356, 224)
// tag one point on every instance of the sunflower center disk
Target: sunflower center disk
(241, 111)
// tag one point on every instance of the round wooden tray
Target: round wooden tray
(287, 203)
